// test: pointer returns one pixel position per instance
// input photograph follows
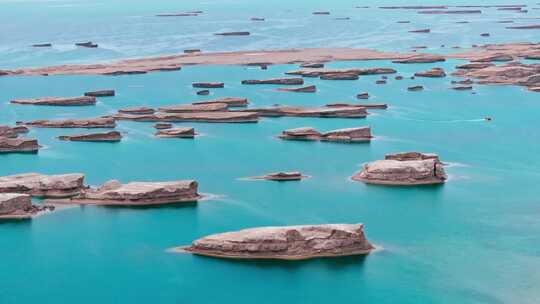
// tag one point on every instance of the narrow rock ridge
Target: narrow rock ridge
(306, 89)
(12, 132)
(230, 101)
(333, 112)
(186, 108)
(41, 185)
(208, 85)
(382, 106)
(57, 101)
(349, 71)
(405, 169)
(176, 132)
(282, 81)
(433, 73)
(282, 176)
(347, 135)
(101, 122)
(135, 194)
(101, 93)
(112, 136)
(286, 243)
(211, 117)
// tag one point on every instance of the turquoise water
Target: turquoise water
(473, 240)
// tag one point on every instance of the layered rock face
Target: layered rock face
(57, 101)
(282, 81)
(137, 110)
(35, 184)
(410, 168)
(12, 203)
(8, 145)
(334, 112)
(101, 122)
(113, 136)
(287, 243)
(215, 117)
(350, 71)
(176, 132)
(162, 125)
(435, 72)
(527, 75)
(12, 132)
(186, 108)
(361, 134)
(282, 176)
(421, 58)
(136, 194)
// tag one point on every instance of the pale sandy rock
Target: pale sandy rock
(57, 101)
(35, 184)
(288, 242)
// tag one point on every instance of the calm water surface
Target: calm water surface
(474, 240)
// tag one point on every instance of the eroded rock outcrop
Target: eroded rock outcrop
(339, 76)
(57, 101)
(176, 132)
(11, 145)
(415, 88)
(410, 168)
(306, 89)
(162, 125)
(112, 136)
(137, 110)
(229, 101)
(135, 194)
(233, 34)
(12, 132)
(100, 93)
(214, 117)
(208, 85)
(421, 58)
(349, 71)
(41, 185)
(282, 81)
(16, 206)
(433, 73)
(335, 112)
(282, 176)
(349, 135)
(288, 243)
(361, 105)
(101, 122)
(186, 108)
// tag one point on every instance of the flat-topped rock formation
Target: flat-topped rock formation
(100, 122)
(349, 135)
(415, 7)
(215, 116)
(178, 15)
(88, 44)
(411, 168)
(12, 132)
(137, 110)
(256, 19)
(112, 136)
(364, 95)
(184, 108)
(191, 51)
(203, 92)
(114, 193)
(434, 72)
(15, 206)
(176, 132)
(282, 81)
(233, 34)
(41, 185)
(285, 243)
(229, 101)
(474, 65)
(57, 101)
(494, 58)
(421, 58)
(360, 105)
(306, 89)
(282, 176)
(321, 13)
(526, 75)
(162, 125)
(10, 145)
(415, 88)
(314, 65)
(339, 76)
(349, 71)
(524, 27)
(208, 85)
(334, 112)
(420, 31)
(461, 88)
(42, 45)
(100, 93)
(174, 62)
